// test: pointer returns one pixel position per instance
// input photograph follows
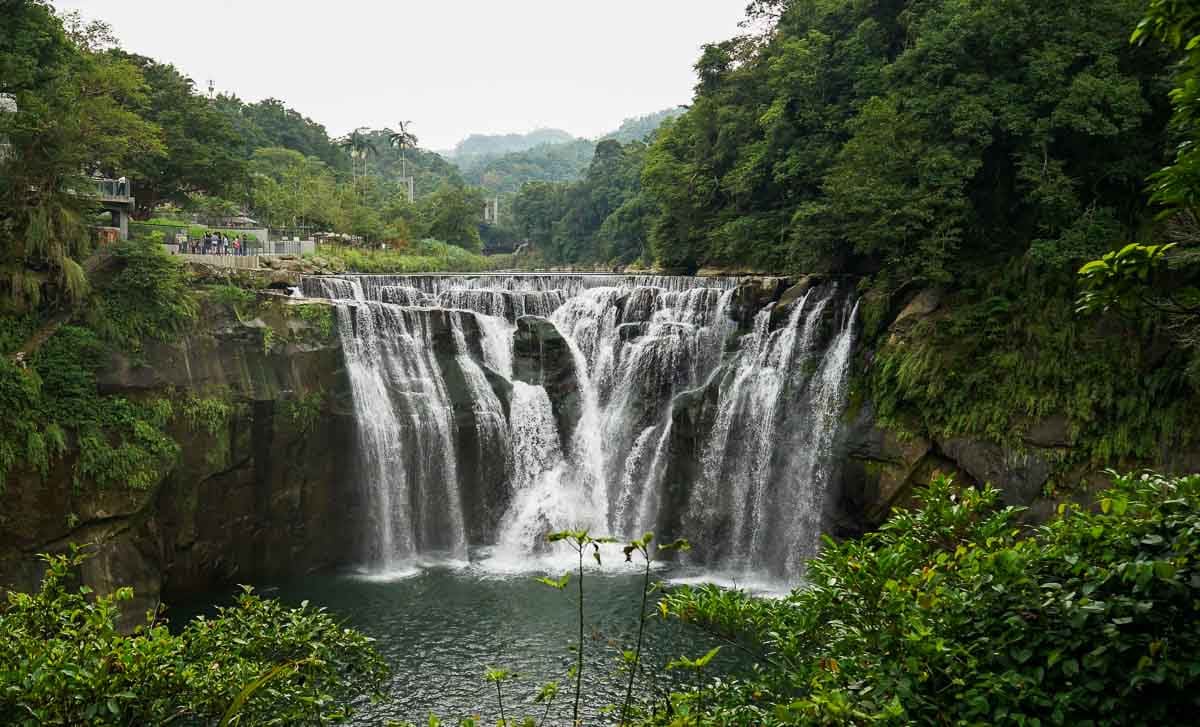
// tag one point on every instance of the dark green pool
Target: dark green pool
(441, 627)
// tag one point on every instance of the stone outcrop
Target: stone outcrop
(542, 357)
(260, 493)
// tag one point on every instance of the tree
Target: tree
(403, 140)
(537, 207)
(201, 144)
(73, 117)
(289, 189)
(570, 222)
(1163, 278)
(954, 613)
(360, 147)
(453, 215)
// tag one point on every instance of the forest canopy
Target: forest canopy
(895, 137)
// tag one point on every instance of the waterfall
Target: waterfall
(540, 495)
(409, 478)
(428, 355)
(766, 462)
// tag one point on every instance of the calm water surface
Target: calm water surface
(441, 627)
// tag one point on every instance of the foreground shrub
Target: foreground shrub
(953, 614)
(425, 256)
(63, 662)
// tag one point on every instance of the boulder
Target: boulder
(542, 357)
(751, 296)
(1020, 476)
(1052, 432)
(879, 469)
(922, 304)
(797, 291)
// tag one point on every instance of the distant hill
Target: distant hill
(493, 145)
(504, 174)
(639, 127)
(503, 163)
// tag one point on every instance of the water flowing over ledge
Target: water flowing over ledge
(493, 409)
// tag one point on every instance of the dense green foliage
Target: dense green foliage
(64, 662)
(565, 161)
(73, 116)
(950, 615)
(909, 138)
(1013, 352)
(1163, 279)
(53, 400)
(600, 217)
(270, 123)
(200, 142)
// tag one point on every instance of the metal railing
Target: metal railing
(113, 189)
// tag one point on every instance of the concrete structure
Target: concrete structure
(491, 211)
(237, 262)
(8, 105)
(116, 196)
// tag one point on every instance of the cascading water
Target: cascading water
(406, 439)
(638, 346)
(762, 481)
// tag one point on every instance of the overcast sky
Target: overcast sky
(453, 67)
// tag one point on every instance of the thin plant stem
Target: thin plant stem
(500, 699)
(579, 663)
(546, 713)
(637, 654)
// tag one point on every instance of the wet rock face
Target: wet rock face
(542, 357)
(280, 503)
(882, 468)
(482, 463)
(752, 296)
(267, 495)
(878, 474)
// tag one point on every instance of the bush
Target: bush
(1014, 351)
(55, 401)
(63, 662)
(148, 298)
(950, 615)
(426, 256)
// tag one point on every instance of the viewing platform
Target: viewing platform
(116, 196)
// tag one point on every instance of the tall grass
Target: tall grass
(426, 256)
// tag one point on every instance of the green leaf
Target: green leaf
(557, 583)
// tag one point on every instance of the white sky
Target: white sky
(453, 67)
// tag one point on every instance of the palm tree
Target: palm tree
(360, 147)
(402, 140)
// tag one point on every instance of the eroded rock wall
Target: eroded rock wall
(261, 490)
